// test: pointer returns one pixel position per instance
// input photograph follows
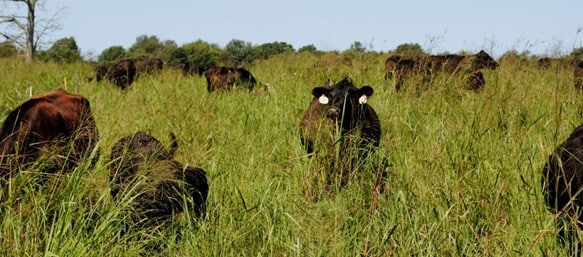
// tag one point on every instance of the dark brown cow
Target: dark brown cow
(430, 65)
(122, 73)
(56, 126)
(225, 78)
(341, 110)
(578, 74)
(562, 185)
(141, 158)
(148, 65)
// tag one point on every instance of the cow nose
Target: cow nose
(333, 113)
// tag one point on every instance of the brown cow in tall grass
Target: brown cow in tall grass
(57, 127)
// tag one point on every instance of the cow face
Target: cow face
(343, 100)
(484, 60)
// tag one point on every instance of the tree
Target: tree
(357, 47)
(27, 31)
(409, 49)
(308, 48)
(239, 52)
(111, 54)
(64, 50)
(267, 50)
(203, 54)
(151, 47)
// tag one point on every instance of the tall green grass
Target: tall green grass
(464, 176)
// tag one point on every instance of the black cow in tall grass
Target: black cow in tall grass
(562, 187)
(162, 186)
(404, 67)
(223, 78)
(341, 127)
(121, 73)
(57, 127)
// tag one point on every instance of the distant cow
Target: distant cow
(148, 65)
(578, 74)
(342, 110)
(429, 66)
(225, 78)
(141, 158)
(57, 127)
(121, 73)
(562, 183)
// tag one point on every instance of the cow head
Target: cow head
(484, 60)
(342, 101)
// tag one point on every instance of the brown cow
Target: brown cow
(225, 78)
(57, 126)
(121, 73)
(429, 66)
(141, 162)
(340, 110)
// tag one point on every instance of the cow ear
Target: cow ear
(319, 91)
(364, 92)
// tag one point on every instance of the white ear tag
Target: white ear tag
(323, 99)
(362, 99)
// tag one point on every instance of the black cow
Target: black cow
(562, 184)
(225, 78)
(429, 66)
(341, 110)
(166, 181)
(121, 73)
(57, 126)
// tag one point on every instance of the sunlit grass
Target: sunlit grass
(464, 176)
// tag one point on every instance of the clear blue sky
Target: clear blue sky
(541, 27)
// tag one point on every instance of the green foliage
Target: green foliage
(112, 53)
(464, 176)
(151, 47)
(64, 50)
(7, 49)
(409, 49)
(308, 48)
(203, 54)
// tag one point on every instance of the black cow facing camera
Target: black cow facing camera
(340, 128)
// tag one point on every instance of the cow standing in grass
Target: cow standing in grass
(163, 185)
(404, 67)
(340, 125)
(57, 127)
(562, 184)
(121, 73)
(225, 78)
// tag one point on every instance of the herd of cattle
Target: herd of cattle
(220, 78)
(59, 129)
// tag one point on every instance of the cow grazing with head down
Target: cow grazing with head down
(56, 126)
(339, 117)
(562, 185)
(121, 73)
(225, 78)
(429, 66)
(163, 184)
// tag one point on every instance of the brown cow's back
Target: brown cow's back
(45, 123)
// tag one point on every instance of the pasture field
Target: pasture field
(464, 179)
